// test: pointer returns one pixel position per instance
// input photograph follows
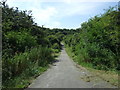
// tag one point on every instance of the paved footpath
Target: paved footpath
(64, 74)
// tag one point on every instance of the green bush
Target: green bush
(26, 47)
(36, 57)
(97, 42)
(19, 41)
(56, 46)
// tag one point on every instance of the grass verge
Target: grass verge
(25, 78)
(109, 76)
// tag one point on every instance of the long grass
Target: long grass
(18, 70)
(109, 76)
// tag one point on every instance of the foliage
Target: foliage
(18, 41)
(98, 41)
(26, 46)
(15, 66)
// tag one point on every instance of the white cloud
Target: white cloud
(75, 8)
(67, 1)
(50, 15)
(43, 16)
(70, 1)
(54, 24)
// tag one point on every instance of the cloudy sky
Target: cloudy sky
(62, 13)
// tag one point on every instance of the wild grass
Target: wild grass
(110, 76)
(18, 71)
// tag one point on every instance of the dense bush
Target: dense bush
(19, 41)
(36, 57)
(26, 46)
(98, 41)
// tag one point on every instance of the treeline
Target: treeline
(97, 43)
(27, 49)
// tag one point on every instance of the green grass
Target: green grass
(75, 58)
(27, 66)
(24, 80)
(68, 50)
(56, 52)
(109, 76)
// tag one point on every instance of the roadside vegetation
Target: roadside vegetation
(97, 42)
(28, 49)
(97, 45)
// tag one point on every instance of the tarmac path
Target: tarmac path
(64, 74)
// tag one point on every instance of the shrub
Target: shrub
(36, 57)
(19, 41)
(98, 41)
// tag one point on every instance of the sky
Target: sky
(68, 14)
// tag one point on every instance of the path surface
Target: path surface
(65, 74)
